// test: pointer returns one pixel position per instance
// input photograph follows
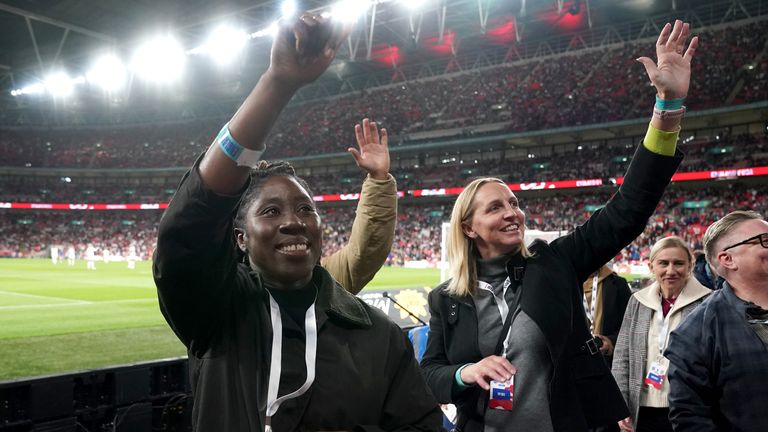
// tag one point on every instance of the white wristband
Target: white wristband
(668, 114)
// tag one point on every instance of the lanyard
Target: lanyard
(501, 303)
(590, 309)
(310, 329)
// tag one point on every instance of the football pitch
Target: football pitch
(56, 319)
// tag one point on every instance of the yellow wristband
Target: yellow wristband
(661, 142)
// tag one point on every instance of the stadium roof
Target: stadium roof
(38, 36)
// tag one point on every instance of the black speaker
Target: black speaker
(51, 398)
(131, 385)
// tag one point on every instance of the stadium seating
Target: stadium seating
(582, 87)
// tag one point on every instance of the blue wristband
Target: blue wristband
(239, 154)
(457, 377)
(669, 104)
(228, 144)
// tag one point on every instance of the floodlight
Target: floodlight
(59, 84)
(160, 60)
(223, 44)
(31, 89)
(288, 8)
(269, 31)
(349, 10)
(108, 72)
(414, 5)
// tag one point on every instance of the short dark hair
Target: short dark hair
(259, 174)
(718, 230)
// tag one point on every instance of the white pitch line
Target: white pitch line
(70, 301)
(78, 303)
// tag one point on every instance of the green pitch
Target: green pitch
(56, 319)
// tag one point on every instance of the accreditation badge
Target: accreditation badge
(656, 374)
(502, 394)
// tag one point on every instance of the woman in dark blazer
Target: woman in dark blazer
(561, 383)
(612, 298)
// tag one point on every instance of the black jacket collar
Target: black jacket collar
(337, 302)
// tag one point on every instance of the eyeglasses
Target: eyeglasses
(763, 238)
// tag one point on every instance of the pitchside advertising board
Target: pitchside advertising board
(448, 191)
(407, 300)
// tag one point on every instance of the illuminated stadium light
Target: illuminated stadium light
(108, 72)
(350, 10)
(223, 45)
(29, 90)
(269, 31)
(288, 8)
(161, 60)
(414, 5)
(59, 84)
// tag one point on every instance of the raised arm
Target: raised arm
(671, 75)
(373, 230)
(626, 214)
(302, 50)
(194, 266)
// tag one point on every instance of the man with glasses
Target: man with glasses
(718, 356)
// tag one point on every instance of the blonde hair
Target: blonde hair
(669, 243)
(462, 253)
(722, 228)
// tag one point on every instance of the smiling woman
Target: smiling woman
(509, 342)
(277, 226)
(652, 313)
(274, 341)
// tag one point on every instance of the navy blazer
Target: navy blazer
(582, 391)
(615, 297)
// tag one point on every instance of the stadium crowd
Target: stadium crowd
(583, 87)
(28, 234)
(589, 161)
(685, 212)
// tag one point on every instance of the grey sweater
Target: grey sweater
(527, 349)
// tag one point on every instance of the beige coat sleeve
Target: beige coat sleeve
(370, 241)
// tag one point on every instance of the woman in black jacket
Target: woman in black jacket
(274, 341)
(561, 383)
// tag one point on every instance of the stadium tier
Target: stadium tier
(581, 87)
(547, 96)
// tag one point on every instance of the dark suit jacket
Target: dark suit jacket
(582, 391)
(616, 294)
